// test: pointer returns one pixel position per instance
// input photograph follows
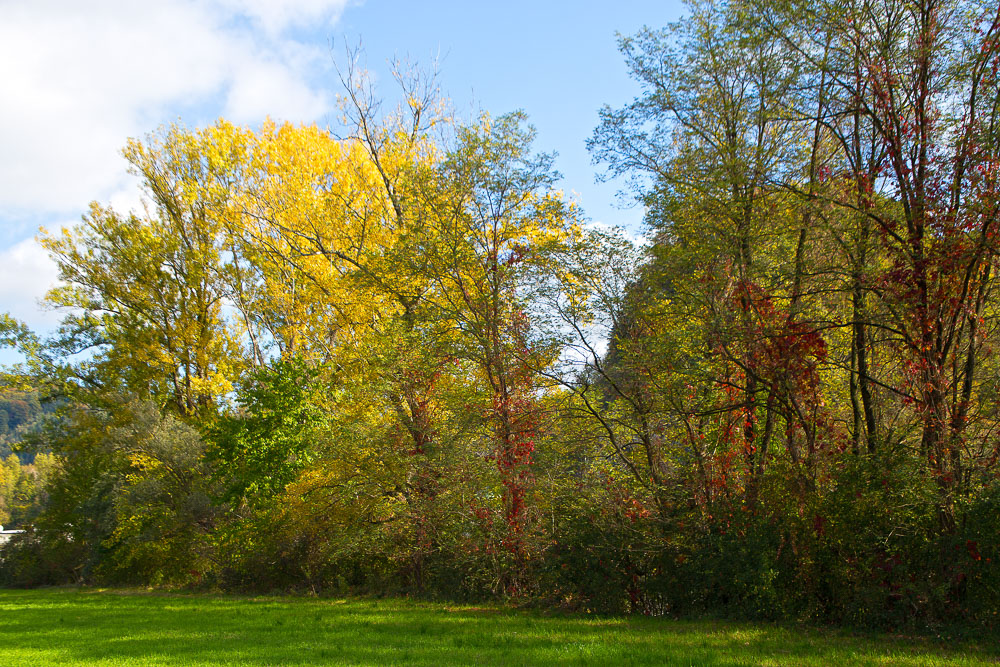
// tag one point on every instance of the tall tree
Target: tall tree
(143, 291)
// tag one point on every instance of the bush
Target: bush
(33, 559)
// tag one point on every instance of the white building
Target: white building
(5, 535)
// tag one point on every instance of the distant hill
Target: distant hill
(19, 412)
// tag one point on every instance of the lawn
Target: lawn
(66, 626)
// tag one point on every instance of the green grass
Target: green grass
(64, 626)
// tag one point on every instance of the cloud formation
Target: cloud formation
(26, 274)
(79, 78)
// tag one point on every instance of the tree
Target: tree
(497, 221)
(713, 138)
(145, 290)
(922, 77)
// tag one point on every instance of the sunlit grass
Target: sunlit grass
(114, 628)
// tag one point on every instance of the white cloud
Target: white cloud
(276, 16)
(81, 77)
(128, 198)
(26, 274)
(263, 89)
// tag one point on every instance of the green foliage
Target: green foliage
(162, 506)
(275, 433)
(127, 499)
(42, 558)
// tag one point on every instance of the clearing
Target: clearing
(95, 627)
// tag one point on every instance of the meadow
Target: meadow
(107, 627)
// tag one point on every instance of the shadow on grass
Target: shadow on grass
(85, 627)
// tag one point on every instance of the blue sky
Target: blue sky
(80, 78)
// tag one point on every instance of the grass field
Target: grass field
(86, 627)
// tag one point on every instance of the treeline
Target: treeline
(396, 359)
(23, 473)
(22, 489)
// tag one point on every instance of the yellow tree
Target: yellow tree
(325, 238)
(143, 289)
